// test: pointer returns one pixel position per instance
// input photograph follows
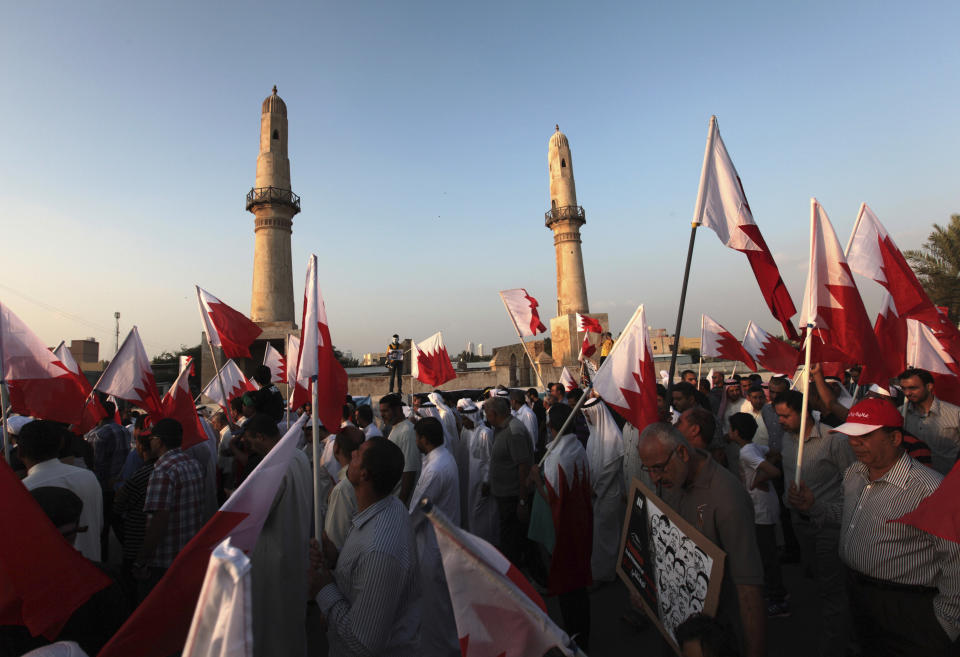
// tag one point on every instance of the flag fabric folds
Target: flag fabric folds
(627, 380)
(832, 301)
(276, 363)
(891, 332)
(567, 380)
(317, 359)
(234, 385)
(718, 342)
(939, 513)
(93, 410)
(872, 253)
(588, 324)
(722, 207)
(225, 327)
(39, 383)
(926, 352)
(587, 348)
(43, 579)
(431, 363)
(523, 310)
(496, 609)
(770, 352)
(159, 626)
(222, 622)
(292, 358)
(178, 404)
(130, 377)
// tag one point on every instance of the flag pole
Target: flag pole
(697, 220)
(700, 364)
(576, 407)
(3, 416)
(315, 437)
(804, 407)
(536, 370)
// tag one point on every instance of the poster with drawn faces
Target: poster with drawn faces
(682, 570)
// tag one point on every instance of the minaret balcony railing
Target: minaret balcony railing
(566, 213)
(275, 195)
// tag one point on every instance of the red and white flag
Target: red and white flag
(178, 404)
(627, 380)
(872, 253)
(891, 332)
(159, 626)
(498, 613)
(588, 324)
(770, 352)
(130, 377)
(523, 310)
(316, 358)
(718, 342)
(832, 301)
(225, 327)
(926, 352)
(722, 206)
(234, 385)
(222, 623)
(39, 384)
(939, 512)
(431, 363)
(276, 363)
(93, 410)
(185, 362)
(292, 358)
(567, 380)
(587, 348)
(43, 579)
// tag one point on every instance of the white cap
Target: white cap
(18, 422)
(877, 390)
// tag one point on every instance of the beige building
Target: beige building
(662, 343)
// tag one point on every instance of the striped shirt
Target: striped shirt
(893, 551)
(373, 605)
(825, 458)
(129, 505)
(939, 428)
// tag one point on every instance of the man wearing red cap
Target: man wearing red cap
(903, 583)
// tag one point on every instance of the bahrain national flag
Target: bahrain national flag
(225, 327)
(770, 352)
(430, 362)
(926, 352)
(130, 377)
(718, 342)
(178, 404)
(523, 311)
(627, 380)
(276, 363)
(93, 410)
(588, 324)
(234, 385)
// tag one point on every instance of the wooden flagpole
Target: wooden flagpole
(536, 370)
(697, 220)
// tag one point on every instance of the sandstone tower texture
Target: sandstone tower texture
(274, 204)
(564, 219)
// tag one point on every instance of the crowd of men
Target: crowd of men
(545, 481)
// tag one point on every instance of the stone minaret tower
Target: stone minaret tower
(564, 219)
(274, 204)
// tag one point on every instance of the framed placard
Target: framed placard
(673, 568)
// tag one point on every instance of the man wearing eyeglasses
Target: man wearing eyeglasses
(714, 501)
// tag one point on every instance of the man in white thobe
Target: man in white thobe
(280, 558)
(518, 404)
(439, 483)
(449, 421)
(605, 453)
(483, 519)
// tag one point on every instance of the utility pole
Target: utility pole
(116, 333)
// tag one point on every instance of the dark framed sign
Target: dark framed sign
(673, 568)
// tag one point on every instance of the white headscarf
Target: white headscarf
(605, 444)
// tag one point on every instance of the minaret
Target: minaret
(274, 204)
(564, 219)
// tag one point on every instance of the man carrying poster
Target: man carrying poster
(715, 503)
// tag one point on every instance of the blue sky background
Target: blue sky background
(418, 142)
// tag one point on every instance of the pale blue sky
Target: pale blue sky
(418, 142)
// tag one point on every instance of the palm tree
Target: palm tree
(937, 265)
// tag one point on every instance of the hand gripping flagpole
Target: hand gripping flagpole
(536, 370)
(697, 220)
(808, 302)
(315, 437)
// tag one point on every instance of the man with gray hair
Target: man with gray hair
(714, 501)
(511, 456)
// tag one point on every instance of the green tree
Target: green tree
(937, 265)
